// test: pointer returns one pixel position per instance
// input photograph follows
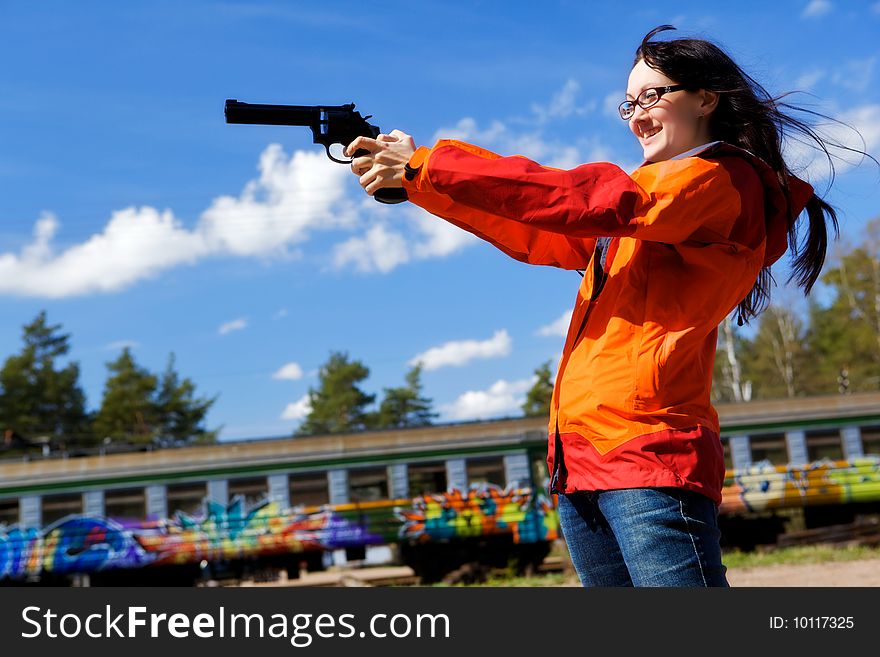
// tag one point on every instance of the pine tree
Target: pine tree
(181, 413)
(405, 406)
(845, 334)
(338, 405)
(129, 412)
(38, 397)
(540, 395)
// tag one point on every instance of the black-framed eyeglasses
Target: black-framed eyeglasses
(648, 98)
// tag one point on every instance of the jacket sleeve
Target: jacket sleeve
(540, 212)
(520, 240)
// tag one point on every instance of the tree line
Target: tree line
(41, 399)
(831, 347)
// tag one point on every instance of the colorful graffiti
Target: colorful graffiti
(78, 544)
(480, 511)
(75, 544)
(764, 486)
(221, 532)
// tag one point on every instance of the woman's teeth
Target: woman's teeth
(650, 133)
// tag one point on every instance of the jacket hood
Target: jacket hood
(780, 212)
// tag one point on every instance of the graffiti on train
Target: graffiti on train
(764, 486)
(481, 510)
(81, 543)
(85, 543)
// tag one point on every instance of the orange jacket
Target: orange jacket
(631, 405)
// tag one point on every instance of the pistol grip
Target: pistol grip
(391, 195)
(387, 195)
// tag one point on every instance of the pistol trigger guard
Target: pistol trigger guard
(338, 161)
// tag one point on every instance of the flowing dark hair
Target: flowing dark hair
(749, 117)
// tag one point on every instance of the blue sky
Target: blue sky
(134, 215)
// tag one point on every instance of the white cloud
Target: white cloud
(611, 104)
(563, 104)
(421, 236)
(378, 250)
(809, 79)
(135, 244)
(289, 372)
(438, 238)
(865, 119)
(812, 164)
(234, 325)
(297, 410)
(559, 328)
(531, 144)
(467, 130)
(499, 138)
(291, 197)
(856, 74)
(817, 8)
(119, 345)
(502, 398)
(462, 352)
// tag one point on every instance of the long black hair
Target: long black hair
(749, 117)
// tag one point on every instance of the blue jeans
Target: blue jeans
(643, 537)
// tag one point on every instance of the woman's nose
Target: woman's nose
(638, 113)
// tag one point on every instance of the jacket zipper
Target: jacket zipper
(601, 264)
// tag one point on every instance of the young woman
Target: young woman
(668, 252)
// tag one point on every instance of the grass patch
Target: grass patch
(796, 555)
(810, 554)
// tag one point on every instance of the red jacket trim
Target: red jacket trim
(679, 458)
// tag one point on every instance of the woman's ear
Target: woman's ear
(708, 102)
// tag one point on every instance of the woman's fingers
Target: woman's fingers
(379, 176)
(384, 161)
(365, 143)
(360, 165)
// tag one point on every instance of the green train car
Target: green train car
(433, 498)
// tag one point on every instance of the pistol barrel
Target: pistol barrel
(237, 112)
(304, 115)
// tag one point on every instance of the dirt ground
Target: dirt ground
(865, 572)
(837, 573)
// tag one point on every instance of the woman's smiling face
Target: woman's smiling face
(675, 125)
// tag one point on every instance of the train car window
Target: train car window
(368, 484)
(309, 489)
(871, 440)
(427, 478)
(769, 447)
(9, 512)
(56, 507)
(253, 489)
(125, 503)
(824, 444)
(486, 470)
(188, 498)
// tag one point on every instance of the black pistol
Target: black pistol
(330, 124)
